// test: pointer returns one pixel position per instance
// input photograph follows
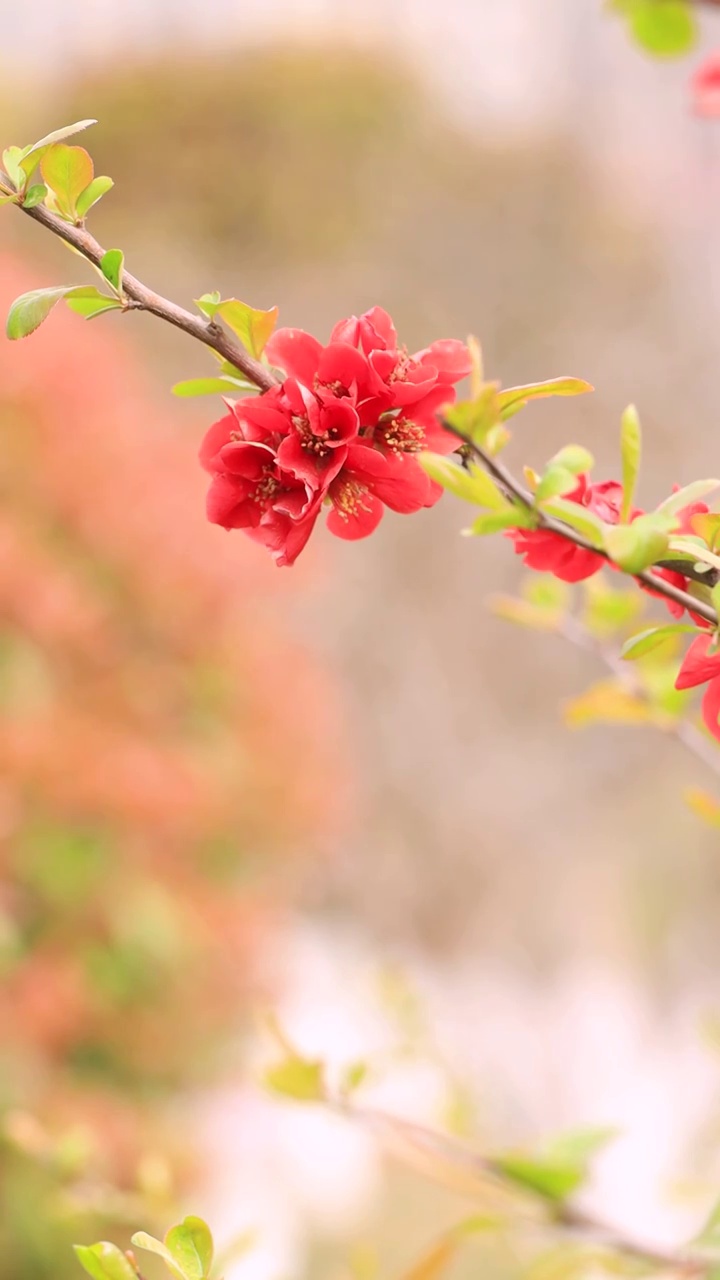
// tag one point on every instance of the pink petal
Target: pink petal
(711, 708)
(450, 357)
(215, 437)
(358, 523)
(295, 351)
(698, 665)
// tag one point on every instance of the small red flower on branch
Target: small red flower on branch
(701, 665)
(341, 430)
(549, 552)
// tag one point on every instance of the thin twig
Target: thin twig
(513, 489)
(687, 733)
(429, 1149)
(145, 299)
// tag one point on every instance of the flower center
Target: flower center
(351, 498)
(403, 436)
(265, 489)
(313, 442)
(400, 372)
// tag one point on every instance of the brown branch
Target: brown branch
(514, 490)
(145, 299)
(431, 1152)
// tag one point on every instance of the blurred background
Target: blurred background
(345, 791)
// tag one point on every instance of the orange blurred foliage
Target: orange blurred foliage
(165, 745)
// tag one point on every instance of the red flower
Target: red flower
(551, 553)
(371, 479)
(342, 429)
(250, 490)
(705, 87)
(700, 666)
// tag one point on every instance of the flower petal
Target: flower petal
(295, 351)
(711, 708)
(698, 665)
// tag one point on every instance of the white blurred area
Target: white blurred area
(587, 1040)
(537, 1059)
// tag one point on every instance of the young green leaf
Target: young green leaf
(638, 646)
(28, 311)
(685, 497)
(93, 192)
(111, 265)
(575, 458)
(513, 517)
(665, 27)
(630, 449)
(34, 195)
(553, 1179)
(104, 1261)
(297, 1078)
(11, 158)
(150, 1244)
(93, 304)
(634, 547)
(67, 171)
(208, 303)
(471, 483)
(475, 419)
(512, 399)
(213, 386)
(555, 481)
(59, 135)
(251, 326)
(191, 1245)
(578, 517)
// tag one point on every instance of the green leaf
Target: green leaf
(706, 525)
(637, 646)
(634, 547)
(208, 303)
(28, 311)
(67, 171)
(142, 1240)
(93, 192)
(58, 135)
(471, 483)
(92, 303)
(555, 481)
(575, 458)
(354, 1075)
(34, 195)
(511, 518)
(9, 200)
(512, 399)
(684, 497)
(630, 449)
(665, 27)
(213, 386)
(11, 158)
(579, 518)
(111, 265)
(251, 326)
(552, 1179)
(104, 1261)
(475, 419)
(191, 1245)
(297, 1078)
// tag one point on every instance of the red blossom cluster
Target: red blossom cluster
(341, 430)
(548, 552)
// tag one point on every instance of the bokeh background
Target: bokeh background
(343, 790)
